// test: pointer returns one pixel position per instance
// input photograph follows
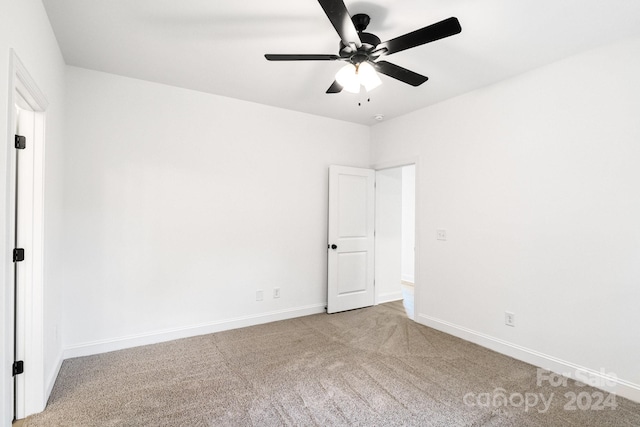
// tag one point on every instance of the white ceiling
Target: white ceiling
(217, 46)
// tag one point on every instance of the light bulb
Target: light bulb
(348, 79)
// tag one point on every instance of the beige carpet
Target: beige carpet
(368, 367)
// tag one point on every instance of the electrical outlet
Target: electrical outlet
(509, 319)
(259, 295)
(276, 292)
(441, 234)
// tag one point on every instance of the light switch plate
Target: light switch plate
(509, 318)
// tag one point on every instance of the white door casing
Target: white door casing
(24, 238)
(350, 238)
(32, 397)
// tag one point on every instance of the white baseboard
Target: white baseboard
(408, 278)
(389, 297)
(599, 379)
(104, 346)
(54, 375)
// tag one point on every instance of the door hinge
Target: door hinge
(21, 142)
(18, 367)
(18, 255)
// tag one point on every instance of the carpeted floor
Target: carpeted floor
(368, 367)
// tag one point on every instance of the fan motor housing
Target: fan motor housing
(369, 43)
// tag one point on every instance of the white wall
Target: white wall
(536, 181)
(180, 205)
(24, 27)
(388, 244)
(408, 222)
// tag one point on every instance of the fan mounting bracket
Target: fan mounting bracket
(360, 21)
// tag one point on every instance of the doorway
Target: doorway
(371, 245)
(395, 236)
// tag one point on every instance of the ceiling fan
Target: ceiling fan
(362, 50)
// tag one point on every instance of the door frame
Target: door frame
(33, 401)
(398, 164)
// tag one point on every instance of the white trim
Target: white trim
(29, 89)
(607, 383)
(407, 280)
(389, 297)
(396, 164)
(104, 346)
(54, 374)
(21, 84)
(35, 332)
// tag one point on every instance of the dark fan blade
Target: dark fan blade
(339, 16)
(433, 32)
(335, 88)
(397, 72)
(271, 57)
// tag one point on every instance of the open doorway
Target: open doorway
(395, 236)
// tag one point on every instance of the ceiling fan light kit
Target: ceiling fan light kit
(351, 77)
(362, 50)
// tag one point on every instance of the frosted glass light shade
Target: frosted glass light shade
(368, 76)
(348, 78)
(351, 77)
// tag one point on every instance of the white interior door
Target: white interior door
(351, 238)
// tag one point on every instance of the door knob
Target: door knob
(334, 247)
